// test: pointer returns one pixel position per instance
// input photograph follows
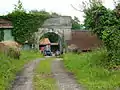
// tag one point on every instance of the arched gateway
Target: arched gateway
(60, 25)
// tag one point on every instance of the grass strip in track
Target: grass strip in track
(43, 78)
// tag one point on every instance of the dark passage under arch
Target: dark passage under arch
(55, 41)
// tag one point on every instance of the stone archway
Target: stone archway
(44, 31)
(60, 25)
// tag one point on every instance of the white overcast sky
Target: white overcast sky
(62, 7)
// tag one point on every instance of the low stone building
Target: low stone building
(6, 30)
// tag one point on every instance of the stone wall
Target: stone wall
(60, 25)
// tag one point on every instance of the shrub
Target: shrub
(90, 70)
(105, 23)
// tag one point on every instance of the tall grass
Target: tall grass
(89, 70)
(9, 67)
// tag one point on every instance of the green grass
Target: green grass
(10, 67)
(43, 78)
(89, 70)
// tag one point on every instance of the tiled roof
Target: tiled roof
(44, 41)
(5, 23)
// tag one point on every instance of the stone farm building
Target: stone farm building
(6, 30)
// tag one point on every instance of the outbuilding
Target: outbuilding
(6, 30)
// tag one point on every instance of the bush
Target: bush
(90, 71)
(13, 53)
(105, 23)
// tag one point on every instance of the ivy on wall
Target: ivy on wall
(25, 24)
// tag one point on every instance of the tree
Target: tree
(76, 24)
(19, 6)
(52, 37)
(41, 12)
(105, 23)
(54, 14)
(25, 25)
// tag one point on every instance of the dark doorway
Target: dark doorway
(54, 39)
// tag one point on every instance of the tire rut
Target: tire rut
(23, 81)
(64, 80)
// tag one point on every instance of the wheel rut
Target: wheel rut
(65, 80)
(23, 81)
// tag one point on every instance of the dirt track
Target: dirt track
(24, 79)
(65, 80)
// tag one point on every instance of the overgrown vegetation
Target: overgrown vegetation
(9, 67)
(43, 78)
(100, 69)
(76, 24)
(105, 23)
(90, 71)
(25, 24)
(53, 37)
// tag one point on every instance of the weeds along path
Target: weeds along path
(24, 79)
(65, 81)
